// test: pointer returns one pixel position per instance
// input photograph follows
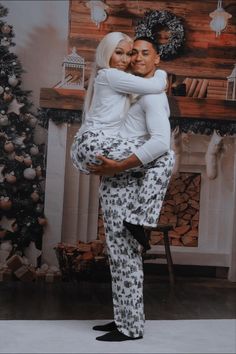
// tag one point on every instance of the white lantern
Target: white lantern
(219, 19)
(98, 13)
(231, 85)
(73, 72)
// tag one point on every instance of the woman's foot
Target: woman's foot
(137, 231)
(115, 336)
(111, 326)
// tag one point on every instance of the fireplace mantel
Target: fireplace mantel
(181, 107)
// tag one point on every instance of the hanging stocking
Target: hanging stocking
(212, 154)
(176, 143)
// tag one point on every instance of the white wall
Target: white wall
(41, 30)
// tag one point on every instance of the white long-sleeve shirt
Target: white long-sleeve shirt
(149, 118)
(110, 94)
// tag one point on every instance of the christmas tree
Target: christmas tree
(21, 154)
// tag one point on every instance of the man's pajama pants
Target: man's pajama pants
(135, 196)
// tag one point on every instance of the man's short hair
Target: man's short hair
(150, 40)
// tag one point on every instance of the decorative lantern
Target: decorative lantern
(231, 85)
(219, 19)
(98, 13)
(73, 72)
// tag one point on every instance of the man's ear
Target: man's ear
(157, 60)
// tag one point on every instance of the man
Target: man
(130, 201)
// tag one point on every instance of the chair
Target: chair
(164, 228)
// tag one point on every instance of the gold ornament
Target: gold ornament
(28, 160)
(10, 177)
(38, 171)
(19, 158)
(6, 29)
(8, 146)
(8, 97)
(42, 221)
(5, 203)
(35, 196)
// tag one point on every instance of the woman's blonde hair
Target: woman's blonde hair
(103, 55)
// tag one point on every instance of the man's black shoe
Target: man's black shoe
(111, 326)
(115, 336)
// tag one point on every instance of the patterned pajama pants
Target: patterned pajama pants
(135, 196)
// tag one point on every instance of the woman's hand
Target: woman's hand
(107, 168)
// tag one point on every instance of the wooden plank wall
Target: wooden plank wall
(204, 55)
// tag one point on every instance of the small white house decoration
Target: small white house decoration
(73, 71)
(231, 85)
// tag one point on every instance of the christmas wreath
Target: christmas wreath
(147, 27)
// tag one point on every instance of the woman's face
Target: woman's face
(121, 56)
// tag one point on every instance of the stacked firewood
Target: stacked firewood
(181, 209)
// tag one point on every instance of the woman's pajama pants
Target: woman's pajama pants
(135, 196)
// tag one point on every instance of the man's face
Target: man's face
(144, 59)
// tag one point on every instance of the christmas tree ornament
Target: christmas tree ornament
(19, 140)
(29, 173)
(8, 146)
(32, 253)
(5, 42)
(5, 204)
(13, 81)
(7, 89)
(39, 208)
(6, 223)
(4, 121)
(34, 150)
(38, 170)
(32, 120)
(2, 177)
(19, 158)
(10, 177)
(40, 135)
(1, 90)
(8, 97)
(42, 221)
(14, 107)
(6, 29)
(27, 160)
(35, 197)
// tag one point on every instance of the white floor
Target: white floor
(195, 336)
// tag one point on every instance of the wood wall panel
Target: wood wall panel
(204, 55)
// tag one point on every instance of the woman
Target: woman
(108, 99)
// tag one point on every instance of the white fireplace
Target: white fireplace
(71, 204)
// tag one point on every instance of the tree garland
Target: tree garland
(147, 28)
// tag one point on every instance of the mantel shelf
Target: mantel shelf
(181, 107)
